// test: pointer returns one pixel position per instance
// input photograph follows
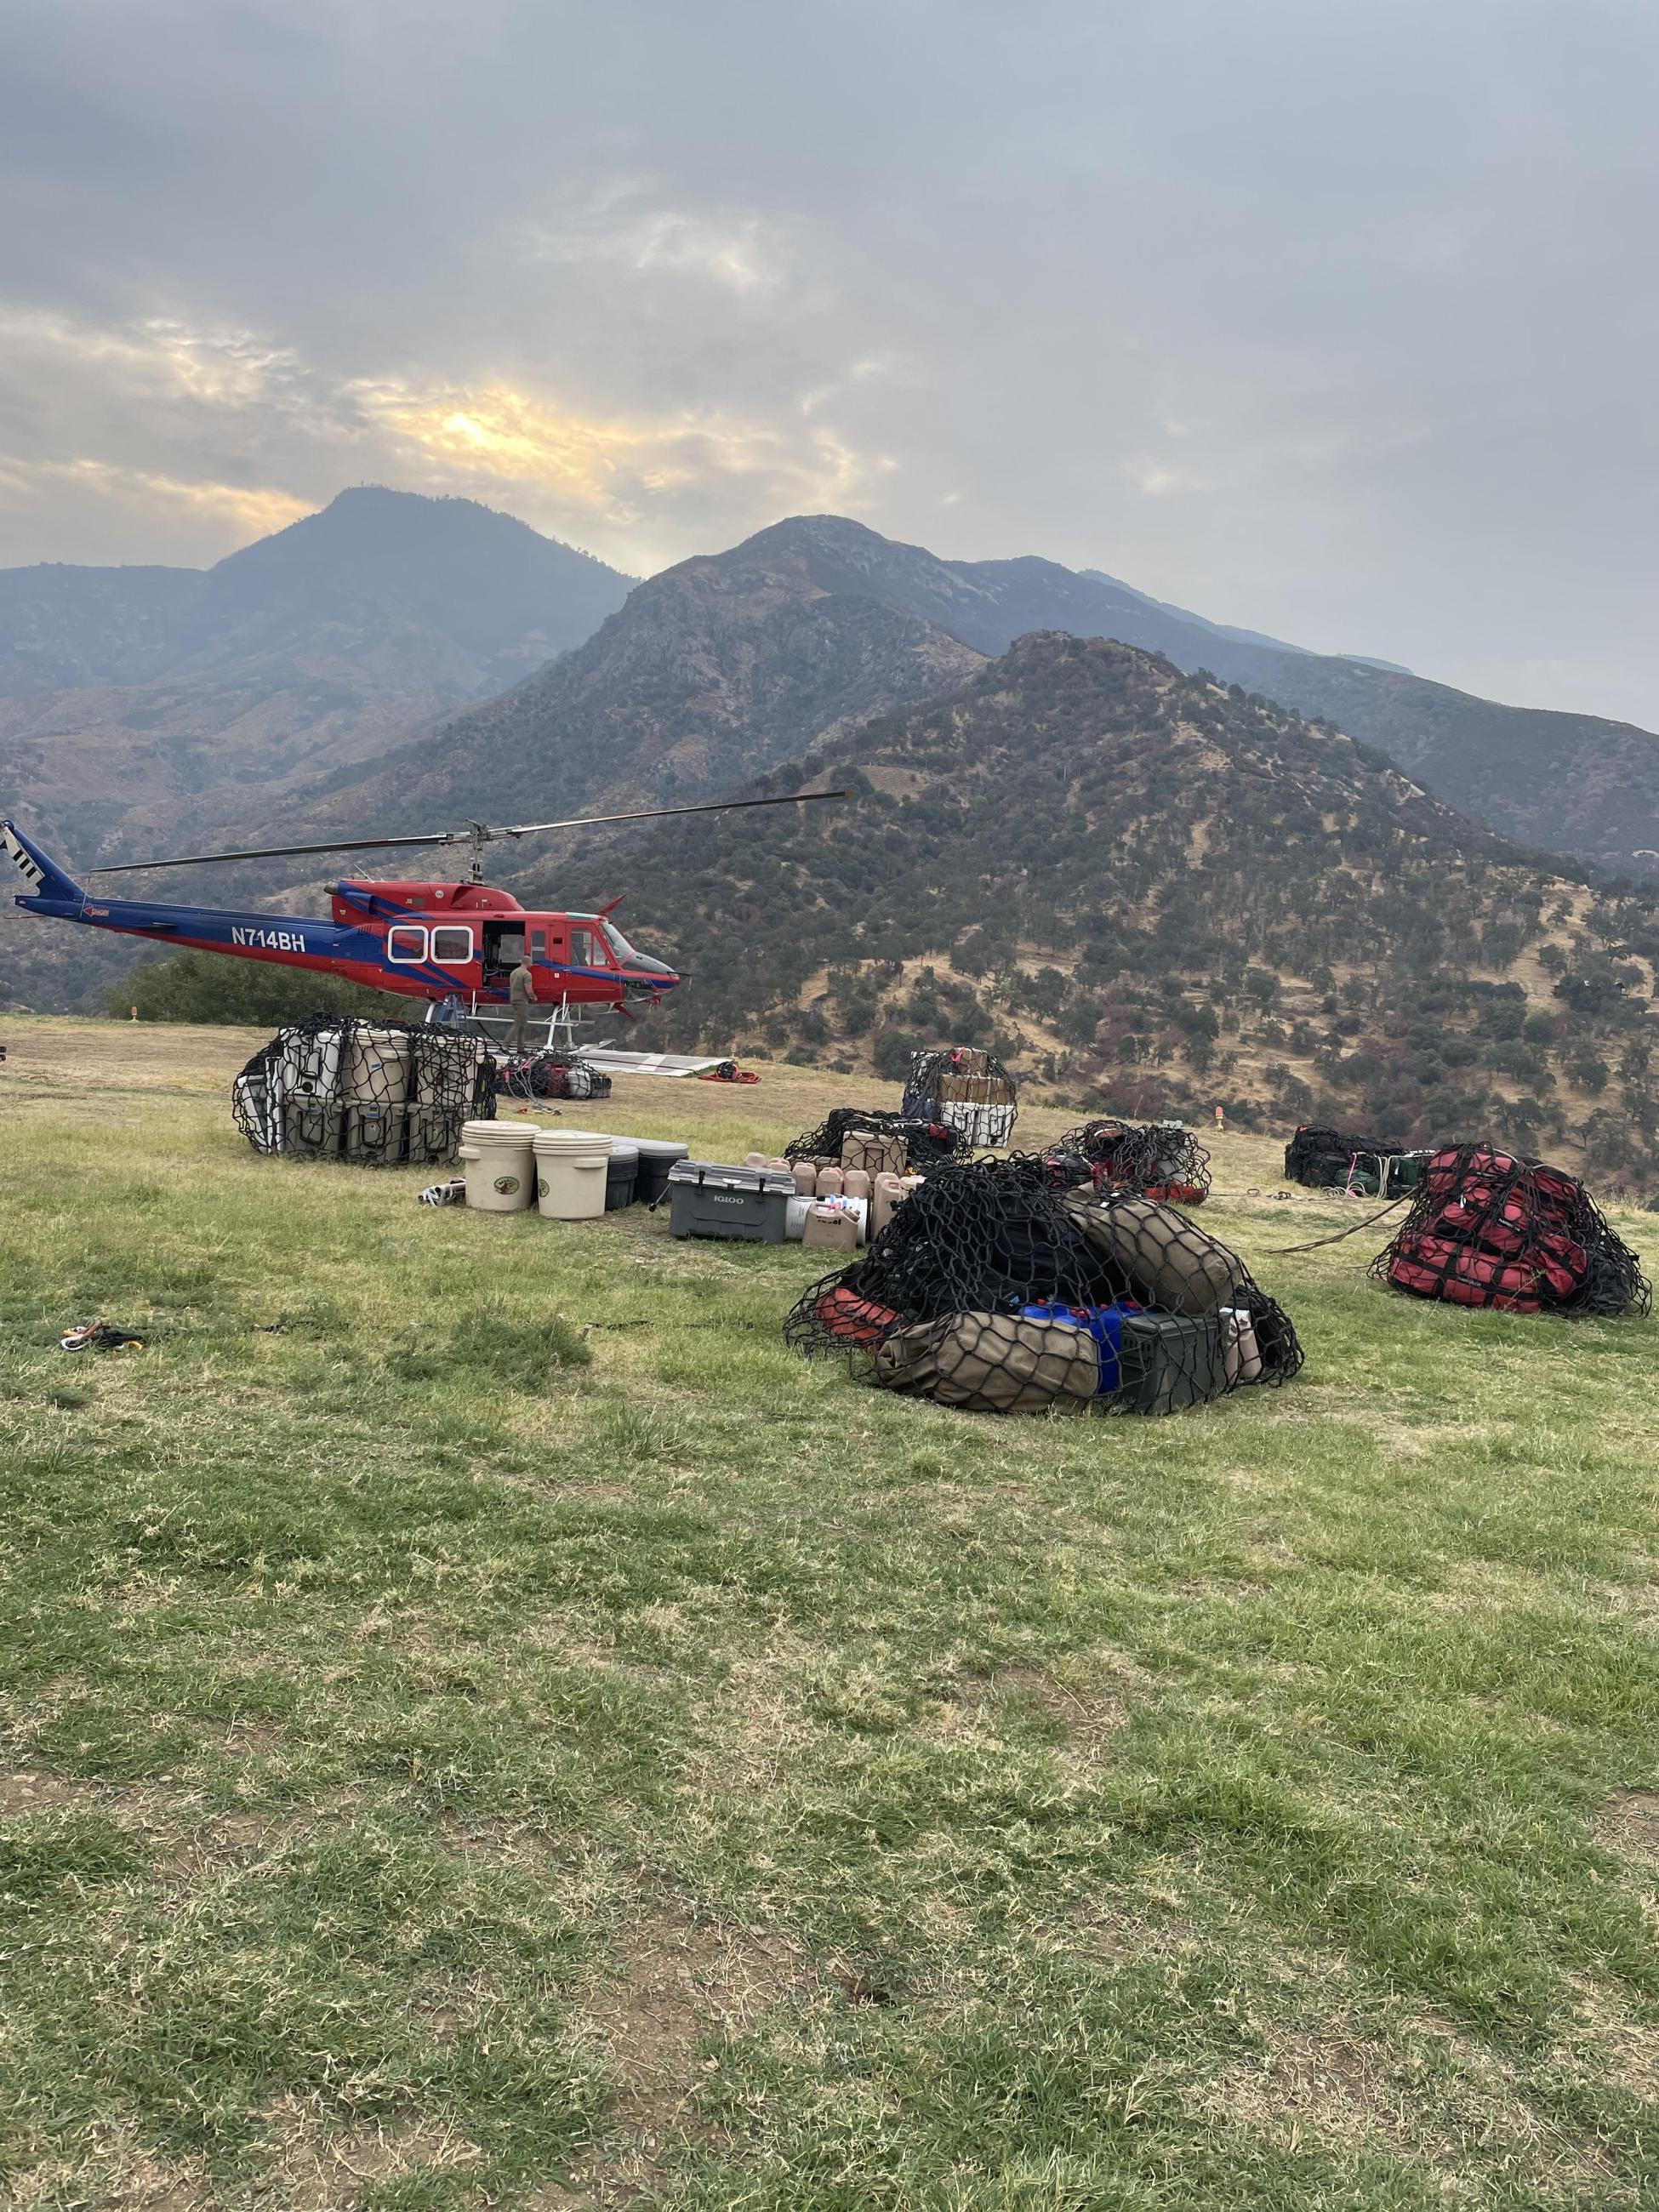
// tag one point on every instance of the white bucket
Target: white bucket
(571, 1166)
(501, 1174)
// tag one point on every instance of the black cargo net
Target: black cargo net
(553, 1075)
(377, 1093)
(1145, 1158)
(965, 1089)
(1323, 1160)
(993, 1290)
(926, 1142)
(1488, 1230)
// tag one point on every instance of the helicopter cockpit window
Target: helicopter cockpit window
(581, 948)
(629, 956)
(452, 948)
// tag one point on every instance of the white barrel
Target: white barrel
(1240, 1354)
(571, 1167)
(499, 1164)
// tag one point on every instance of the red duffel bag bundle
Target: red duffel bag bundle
(1488, 1230)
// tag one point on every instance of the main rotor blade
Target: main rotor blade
(483, 835)
(284, 852)
(653, 813)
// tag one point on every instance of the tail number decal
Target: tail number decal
(270, 940)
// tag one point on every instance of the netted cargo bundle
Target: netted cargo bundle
(993, 1290)
(553, 1075)
(1488, 1230)
(927, 1142)
(377, 1093)
(1327, 1160)
(965, 1089)
(1149, 1158)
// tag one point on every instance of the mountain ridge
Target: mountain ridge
(1583, 788)
(1158, 894)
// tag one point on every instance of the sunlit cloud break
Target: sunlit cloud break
(163, 405)
(609, 464)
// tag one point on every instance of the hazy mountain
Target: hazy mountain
(140, 702)
(670, 701)
(711, 672)
(64, 627)
(478, 599)
(1574, 784)
(1160, 895)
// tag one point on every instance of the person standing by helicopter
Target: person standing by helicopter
(521, 997)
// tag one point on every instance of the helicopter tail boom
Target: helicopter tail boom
(47, 887)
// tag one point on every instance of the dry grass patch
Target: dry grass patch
(681, 1979)
(319, 2168)
(1089, 1712)
(1629, 1826)
(130, 2180)
(1327, 2083)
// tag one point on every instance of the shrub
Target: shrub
(206, 986)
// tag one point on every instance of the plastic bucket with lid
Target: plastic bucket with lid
(571, 1172)
(657, 1155)
(501, 1174)
(622, 1174)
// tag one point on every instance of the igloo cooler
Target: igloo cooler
(707, 1199)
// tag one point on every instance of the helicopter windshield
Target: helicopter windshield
(629, 955)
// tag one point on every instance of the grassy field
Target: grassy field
(484, 1725)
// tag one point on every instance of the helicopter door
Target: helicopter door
(547, 958)
(503, 948)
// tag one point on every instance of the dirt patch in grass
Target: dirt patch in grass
(28, 1790)
(119, 2177)
(316, 2169)
(1330, 2082)
(1624, 2051)
(1629, 1826)
(1089, 1712)
(679, 1979)
(1333, 2084)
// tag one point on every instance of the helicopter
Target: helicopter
(440, 941)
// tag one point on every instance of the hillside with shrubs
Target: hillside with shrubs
(1156, 894)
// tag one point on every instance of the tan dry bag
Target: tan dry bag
(1174, 1264)
(992, 1363)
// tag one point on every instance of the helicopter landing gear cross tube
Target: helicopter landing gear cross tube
(422, 940)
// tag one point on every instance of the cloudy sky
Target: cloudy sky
(1337, 318)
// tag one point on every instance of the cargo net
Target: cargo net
(1325, 1159)
(1487, 1230)
(553, 1075)
(993, 1290)
(964, 1088)
(1142, 1158)
(926, 1143)
(377, 1093)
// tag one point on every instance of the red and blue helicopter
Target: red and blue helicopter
(439, 941)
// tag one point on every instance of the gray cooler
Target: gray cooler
(707, 1199)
